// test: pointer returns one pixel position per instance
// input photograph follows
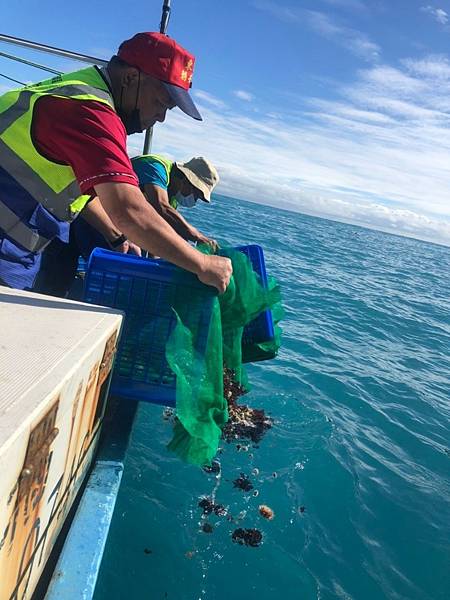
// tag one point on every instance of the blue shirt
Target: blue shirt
(150, 171)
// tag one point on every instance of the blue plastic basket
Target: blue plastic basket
(260, 329)
(82, 265)
(146, 290)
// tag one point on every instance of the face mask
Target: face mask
(186, 201)
(131, 121)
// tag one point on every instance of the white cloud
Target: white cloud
(209, 99)
(353, 40)
(435, 67)
(439, 14)
(243, 95)
(378, 156)
(283, 13)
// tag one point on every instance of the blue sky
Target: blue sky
(338, 108)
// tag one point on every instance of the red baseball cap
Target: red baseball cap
(161, 57)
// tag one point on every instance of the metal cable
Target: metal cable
(11, 79)
(52, 50)
(30, 63)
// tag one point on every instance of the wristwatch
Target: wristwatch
(118, 241)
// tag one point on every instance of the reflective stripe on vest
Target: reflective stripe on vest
(52, 185)
(27, 178)
(15, 229)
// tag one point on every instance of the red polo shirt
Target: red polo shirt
(88, 136)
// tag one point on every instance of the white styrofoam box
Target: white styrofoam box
(55, 360)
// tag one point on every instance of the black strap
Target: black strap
(118, 241)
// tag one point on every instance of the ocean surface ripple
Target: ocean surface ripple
(357, 465)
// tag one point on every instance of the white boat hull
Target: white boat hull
(55, 360)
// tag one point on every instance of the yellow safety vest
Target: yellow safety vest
(52, 185)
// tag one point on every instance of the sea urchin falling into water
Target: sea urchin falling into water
(247, 537)
(266, 512)
(244, 423)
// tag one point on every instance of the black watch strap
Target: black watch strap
(118, 241)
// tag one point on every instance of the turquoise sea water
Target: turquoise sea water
(357, 465)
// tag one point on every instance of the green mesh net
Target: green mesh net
(201, 408)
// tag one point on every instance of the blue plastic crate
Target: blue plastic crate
(82, 265)
(146, 290)
(260, 329)
(76, 290)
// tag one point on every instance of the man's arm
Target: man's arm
(94, 214)
(159, 199)
(98, 218)
(132, 214)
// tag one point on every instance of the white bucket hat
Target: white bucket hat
(201, 174)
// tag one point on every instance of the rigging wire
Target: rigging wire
(30, 63)
(52, 50)
(11, 79)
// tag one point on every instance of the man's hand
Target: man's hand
(133, 215)
(127, 248)
(216, 271)
(133, 249)
(202, 239)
